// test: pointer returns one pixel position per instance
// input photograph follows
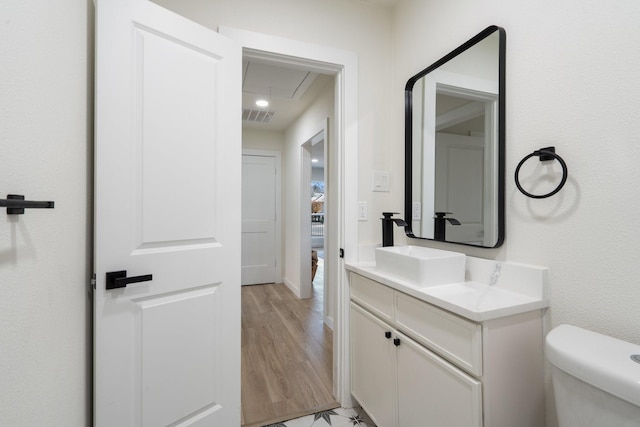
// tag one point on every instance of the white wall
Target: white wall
(45, 137)
(257, 139)
(572, 82)
(301, 131)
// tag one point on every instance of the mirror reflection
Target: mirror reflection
(454, 119)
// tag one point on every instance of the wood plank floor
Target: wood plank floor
(287, 355)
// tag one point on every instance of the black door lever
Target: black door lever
(119, 279)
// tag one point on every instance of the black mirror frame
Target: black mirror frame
(408, 122)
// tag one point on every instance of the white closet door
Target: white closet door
(258, 219)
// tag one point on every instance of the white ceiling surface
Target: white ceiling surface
(289, 91)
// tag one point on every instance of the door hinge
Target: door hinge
(92, 282)
(341, 253)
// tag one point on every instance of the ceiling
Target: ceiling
(289, 91)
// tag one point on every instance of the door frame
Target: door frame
(278, 226)
(306, 147)
(344, 66)
(306, 286)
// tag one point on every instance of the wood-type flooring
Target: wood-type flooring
(287, 355)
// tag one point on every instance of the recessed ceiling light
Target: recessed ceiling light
(314, 160)
(262, 103)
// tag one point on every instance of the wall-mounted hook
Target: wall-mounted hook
(16, 204)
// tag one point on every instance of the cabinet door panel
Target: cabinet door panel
(432, 392)
(373, 367)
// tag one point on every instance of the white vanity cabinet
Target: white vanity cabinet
(414, 364)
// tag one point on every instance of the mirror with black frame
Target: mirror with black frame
(455, 145)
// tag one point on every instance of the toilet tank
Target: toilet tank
(596, 378)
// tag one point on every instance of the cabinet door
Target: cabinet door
(373, 367)
(432, 392)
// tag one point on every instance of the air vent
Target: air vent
(260, 116)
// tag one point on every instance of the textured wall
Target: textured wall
(45, 101)
(572, 82)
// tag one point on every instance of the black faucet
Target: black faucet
(387, 227)
(439, 225)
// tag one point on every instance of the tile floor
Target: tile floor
(339, 417)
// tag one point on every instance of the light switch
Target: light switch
(416, 211)
(380, 181)
(362, 211)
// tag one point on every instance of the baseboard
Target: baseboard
(329, 322)
(289, 284)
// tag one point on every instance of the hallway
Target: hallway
(287, 355)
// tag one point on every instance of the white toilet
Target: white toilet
(596, 378)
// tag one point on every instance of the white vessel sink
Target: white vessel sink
(421, 266)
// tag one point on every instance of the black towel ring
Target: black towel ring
(548, 153)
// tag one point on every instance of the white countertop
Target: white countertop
(473, 300)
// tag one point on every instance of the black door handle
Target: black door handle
(119, 279)
(396, 341)
(387, 334)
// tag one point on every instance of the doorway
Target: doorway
(343, 247)
(315, 222)
(287, 351)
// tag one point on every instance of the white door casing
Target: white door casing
(345, 167)
(305, 288)
(167, 203)
(259, 249)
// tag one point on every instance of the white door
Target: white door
(460, 177)
(258, 219)
(167, 211)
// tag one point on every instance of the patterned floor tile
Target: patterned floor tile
(339, 417)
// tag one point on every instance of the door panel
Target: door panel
(160, 328)
(167, 203)
(173, 126)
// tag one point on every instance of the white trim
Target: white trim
(278, 231)
(292, 287)
(344, 65)
(304, 210)
(327, 267)
(306, 147)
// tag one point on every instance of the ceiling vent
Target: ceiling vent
(259, 116)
